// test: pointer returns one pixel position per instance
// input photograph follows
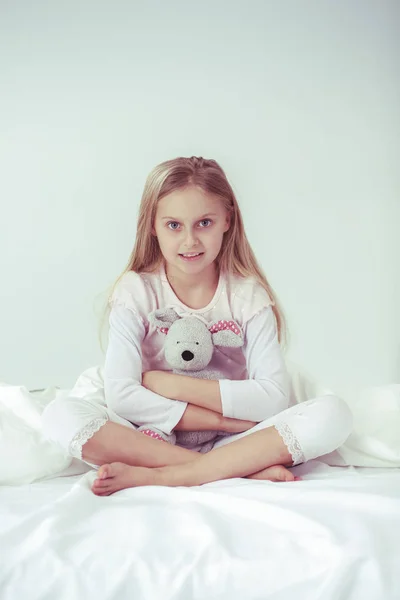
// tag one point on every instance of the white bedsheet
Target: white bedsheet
(332, 536)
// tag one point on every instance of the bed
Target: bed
(333, 535)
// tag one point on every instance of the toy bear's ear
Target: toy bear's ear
(226, 333)
(163, 318)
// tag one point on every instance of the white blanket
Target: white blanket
(334, 535)
(375, 441)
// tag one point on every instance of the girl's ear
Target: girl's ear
(227, 222)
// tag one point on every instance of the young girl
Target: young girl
(191, 253)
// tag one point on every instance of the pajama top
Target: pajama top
(256, 384)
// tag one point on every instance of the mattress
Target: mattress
(334, 535)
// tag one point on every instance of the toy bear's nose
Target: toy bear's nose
(187, 355)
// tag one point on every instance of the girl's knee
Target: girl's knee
(332, 423)
(319, 426)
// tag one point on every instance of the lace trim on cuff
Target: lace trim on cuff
(80, 438)
(291, 442)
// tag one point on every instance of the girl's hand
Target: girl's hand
(235, 425)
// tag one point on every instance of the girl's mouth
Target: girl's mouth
(191, 256)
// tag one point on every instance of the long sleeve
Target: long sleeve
(266, 392)
(123, 375)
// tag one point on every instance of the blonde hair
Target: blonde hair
(236, 255)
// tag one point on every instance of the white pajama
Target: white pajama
(255, 386)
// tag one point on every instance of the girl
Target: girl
(191, 253)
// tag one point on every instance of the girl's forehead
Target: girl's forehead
(188, 203)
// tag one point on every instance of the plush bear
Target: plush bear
(189, 346)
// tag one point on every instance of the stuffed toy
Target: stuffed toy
(189, 346)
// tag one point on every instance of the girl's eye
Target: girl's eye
(173, 223)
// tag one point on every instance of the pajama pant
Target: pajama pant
(309, 429)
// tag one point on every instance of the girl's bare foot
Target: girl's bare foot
(274, 473)
(118, 476)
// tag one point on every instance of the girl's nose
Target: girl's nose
(190, 240)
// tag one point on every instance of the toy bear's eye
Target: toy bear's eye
(197, 343)
(177, 342)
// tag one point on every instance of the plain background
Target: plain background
(298, 102)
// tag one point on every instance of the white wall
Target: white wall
(298, 101)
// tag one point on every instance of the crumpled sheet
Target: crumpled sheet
(26, 455)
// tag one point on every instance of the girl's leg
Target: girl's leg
(119, 443)
(115, 442)
(242, 457)
(82, 426)
(300, 433)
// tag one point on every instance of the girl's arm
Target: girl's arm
(201, 392)
(267, 390)
(196, 418)
(263, 395)
(124, 391)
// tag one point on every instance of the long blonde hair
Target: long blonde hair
(236, 255)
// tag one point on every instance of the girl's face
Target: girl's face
(190, 222)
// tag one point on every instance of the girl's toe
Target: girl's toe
(104, 472)
(100, 483)
(102, 491)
